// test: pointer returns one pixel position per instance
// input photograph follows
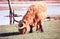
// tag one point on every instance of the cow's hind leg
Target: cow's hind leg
(31, 29)
(37, 28)
(40, 26)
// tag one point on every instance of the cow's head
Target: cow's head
(22, 27)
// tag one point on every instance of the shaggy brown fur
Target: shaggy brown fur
(35, 15)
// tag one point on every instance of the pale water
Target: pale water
(52, 9)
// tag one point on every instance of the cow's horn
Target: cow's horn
(22, 26)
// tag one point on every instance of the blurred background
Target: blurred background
(20, 7)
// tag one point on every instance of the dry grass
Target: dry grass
(51, 31)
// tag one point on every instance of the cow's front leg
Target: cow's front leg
(37, 28)
(31, 29)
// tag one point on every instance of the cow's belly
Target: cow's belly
(42, 15)
(33, 24)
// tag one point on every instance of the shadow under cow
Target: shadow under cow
(9, 34)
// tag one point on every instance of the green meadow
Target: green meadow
(51, 31)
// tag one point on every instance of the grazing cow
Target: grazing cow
(34, 16)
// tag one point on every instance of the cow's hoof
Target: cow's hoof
(42, 31)
(37, 30)
(30, 31)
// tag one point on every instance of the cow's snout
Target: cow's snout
(22, 31)
(22, 28)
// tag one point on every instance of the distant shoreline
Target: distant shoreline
(28, 2)
(18, 6)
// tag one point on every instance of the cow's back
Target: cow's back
(40, 12)
(36, 12)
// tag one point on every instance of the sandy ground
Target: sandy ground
(51, 31)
